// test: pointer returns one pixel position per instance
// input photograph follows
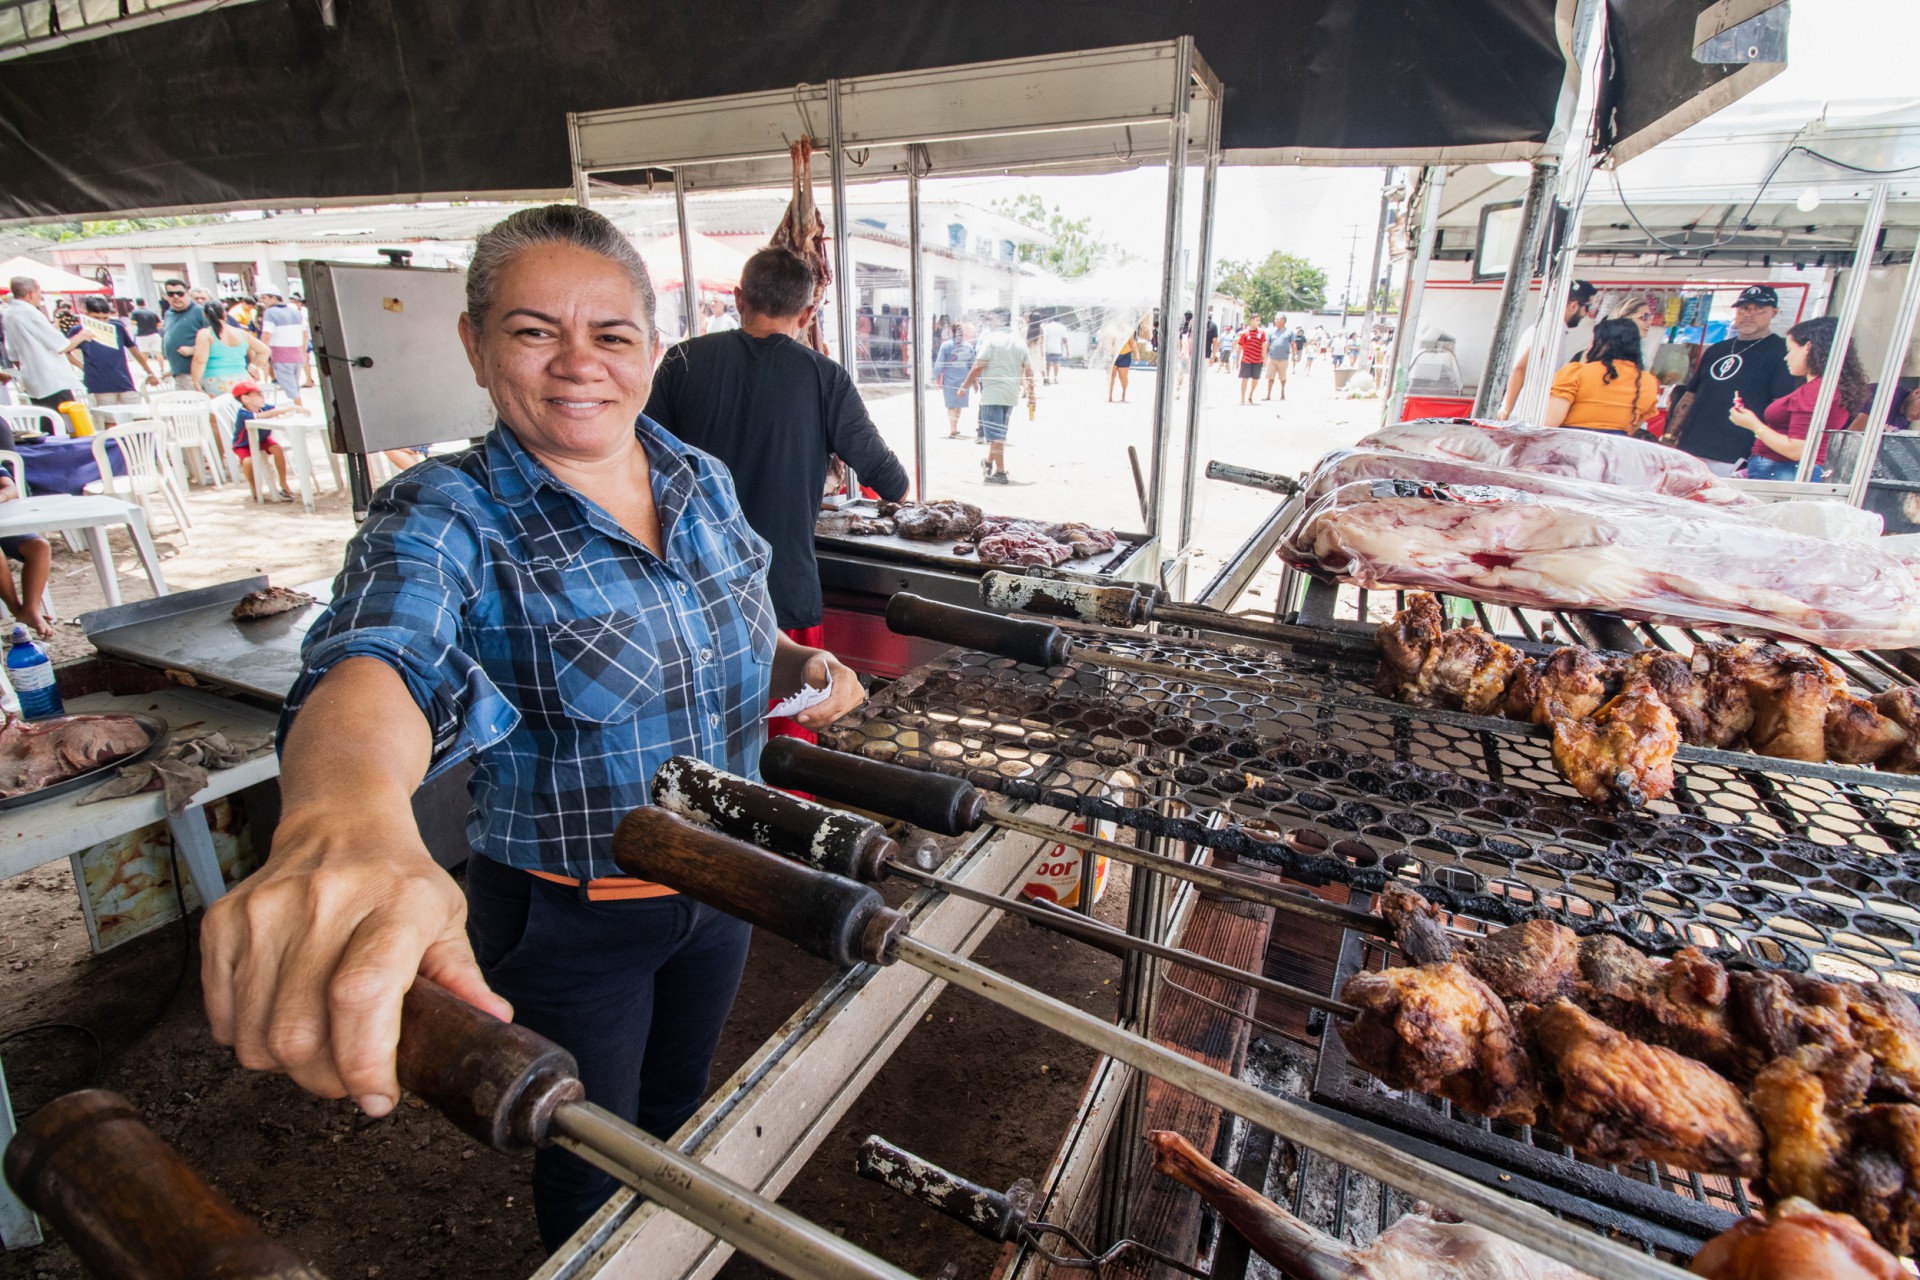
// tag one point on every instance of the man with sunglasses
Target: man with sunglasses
(182, 321)
(1579, 312)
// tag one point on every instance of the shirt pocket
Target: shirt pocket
(756, 609)
(605, 668)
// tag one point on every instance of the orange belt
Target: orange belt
(612, 888)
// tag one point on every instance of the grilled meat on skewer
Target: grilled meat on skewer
(1785, 1014)
(1426, 664)
(39, 753)
(1858, 732)
(1415, 1246)
(1796, 1241)
(1574, 678)
(1680, 1004)
(1624, 752)
(1902, 706)
(1438, 1029)
(1622, 1100)
(1417, 928)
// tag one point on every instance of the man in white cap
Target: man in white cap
(284, 329)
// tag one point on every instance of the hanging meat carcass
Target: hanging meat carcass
(803, 231)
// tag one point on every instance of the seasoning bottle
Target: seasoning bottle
(30, 672)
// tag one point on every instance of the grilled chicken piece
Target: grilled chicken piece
(1902, 706)
(1791, 1014)
(1624, 752)
(1573, 677)
(1533, 961)
(268, 602)
(1686, 694)
(1858, 732)
(1414, 1248)
(39, 753)
(1796, 1241)
(1681, 1004)
(1790, 702)
(1617, 1098)
(1424, 664)
(1729, 704)
(1438, 1029)
(1417, 928)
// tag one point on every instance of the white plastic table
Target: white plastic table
(293, 430)
(93, 514)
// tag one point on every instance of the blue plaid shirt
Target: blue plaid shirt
(547, 643)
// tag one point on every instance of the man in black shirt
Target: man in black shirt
(773, 410)
(1752, 364)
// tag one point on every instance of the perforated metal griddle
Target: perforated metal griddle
(1763, 861)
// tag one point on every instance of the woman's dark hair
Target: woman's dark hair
(1816, 336)
(216, 318)
(95, 305)
(1617, 340)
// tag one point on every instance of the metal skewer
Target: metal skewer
(953, 806)
(831, 841)
(844, 922)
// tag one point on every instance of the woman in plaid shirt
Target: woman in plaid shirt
(565, 606)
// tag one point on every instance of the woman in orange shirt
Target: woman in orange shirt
(1606, 390)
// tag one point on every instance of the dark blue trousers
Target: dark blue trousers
(637, 991)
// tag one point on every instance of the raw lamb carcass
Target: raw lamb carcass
(803, 231)
(39, 753)
(1689, 565)
(1559, 451)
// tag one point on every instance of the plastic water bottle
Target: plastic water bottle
(31, 673)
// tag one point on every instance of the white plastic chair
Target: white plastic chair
(31, 417)
(186, 424)
(142, 447)
(11, 461)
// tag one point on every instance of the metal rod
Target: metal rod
(919, 332)
(1095, 933)
(1230, 883)
(1517, 1221)
(1197, 330)
(778, 1237)
(1169, 284)
(1843, 332)
(689, 283)
(1373, 268)
(1407, 335)
(842, 285)
(1889, 387)
(1513, 290)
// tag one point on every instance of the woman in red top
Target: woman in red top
(1780, 437)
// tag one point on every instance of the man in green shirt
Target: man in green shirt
(1002, 368)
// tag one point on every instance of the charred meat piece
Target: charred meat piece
(1795, 1241)
(1083, 540)
(843, 525)
(1533, 961)
(940, 521)
(39, 753)
(1791, 1014)
(1417, 928)
(1729, 705)
(1681, 1003)
(1616, 1098)
(1790, 702)
(1805, 1141)
(1625, 752)
(271, 601)
(1438, 1029)
(1858, 732)
(1426, 665)
(1573, 677)
(1685, 693)
(1902, 706)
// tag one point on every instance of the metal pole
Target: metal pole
(918, 331)
(1197, 336)
(1843, 334)
(1169, 283)
(1373, 271)
(1889, 385)
(1516, 1220)
(1513, 291)
(842, 285)
(757, 1227)
(1433, 183)
(689, 285)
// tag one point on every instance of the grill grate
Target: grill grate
(1755, 860)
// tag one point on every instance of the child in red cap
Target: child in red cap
(253, 404)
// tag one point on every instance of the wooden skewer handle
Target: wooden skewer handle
(934, 802)
(830, 840)
(497, 1080)
(1038, 644)
(130, 1206)
(831, 917)
(997, 1215)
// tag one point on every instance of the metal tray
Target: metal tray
(158, 732)
(195, 632)
(938, 553)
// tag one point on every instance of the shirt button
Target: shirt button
(713, 718)
(706, 655)
(683, 588)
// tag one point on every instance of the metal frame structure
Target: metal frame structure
(1093, 111)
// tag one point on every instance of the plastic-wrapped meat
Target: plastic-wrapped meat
(1561, 451)
(1022, 547)
(1587, 548)
(933, 521)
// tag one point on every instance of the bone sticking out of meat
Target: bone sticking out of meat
(1417, 928)
(802, 231)
(1796, 1241)
(39, 753)
(271, 601)
(1415, 1246)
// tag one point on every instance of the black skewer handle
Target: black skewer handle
(932, 801)
(831, 840)
(997, 1215)
(1037, 644)
(831, 917)
(1092, 602)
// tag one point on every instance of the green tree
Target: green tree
(1281, 284)
(1075, 250)
(111, 227)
